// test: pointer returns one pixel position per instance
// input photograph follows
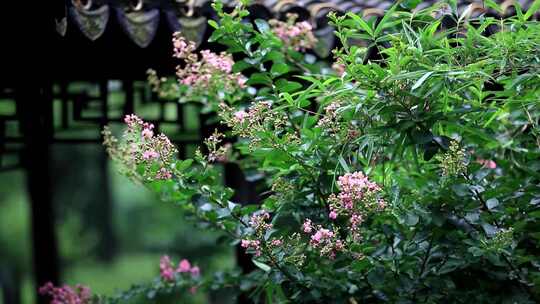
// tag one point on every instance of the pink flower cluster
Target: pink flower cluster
(66, 295)
(147, 148)
(209, 71)
(276, 242)
(220, 62)
(258, 221)
(487, 163)
(217, 151)
(354, 187)
(330, 121)
(167, 270)
(181, 47)
(357, 196)
(258, 117)
(240, 116)
(325, 240)
(255, 245)
(339, 68)
(298, 35)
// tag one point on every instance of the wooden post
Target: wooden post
(107, 245)
(32, 112)
(10, 281)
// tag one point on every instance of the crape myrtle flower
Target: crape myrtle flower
(67, 295)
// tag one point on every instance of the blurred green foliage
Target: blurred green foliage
(143, 231)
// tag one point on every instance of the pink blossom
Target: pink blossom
(163, 174)
(184, 266)
(240, 115)
(258, 221)
(299, 36)
(66, 295)
(165, 268)
(221, 62)
(281, 33)
(195, 271)
(353, 187)
(189, 80)
(245, 243)
(339, 68)
(356, 219)
(307, 226)
(321, 235)
(181, 47)
(241, 80)
(132, 120)
(304, 26)
(276, 242)
(179, 44)
(147, 133)
(167, 274)
(317, 236)
(253, 244)
(294, 31)
(193, 289)
(150, 154)
(332, 215)
(165, 261)
(209, 70)
(346, 199)
(487, 163)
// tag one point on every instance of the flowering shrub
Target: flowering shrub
(144, 155)
(172, 283)
(412, 176)
(203, 77)
(66, 295)
(276, 50)
(295, 35)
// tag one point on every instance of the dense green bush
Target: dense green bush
(411, 177)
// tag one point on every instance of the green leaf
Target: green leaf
(492, 203)
(274, 56)
(363, 24)
(279, 69)
(259, 78)
(384, 19)
(475, 251)
(223, 213)
(183, 165)
(493, 5)
(151, 294)
(239, 66)
(284, 85)
(411, 219)
(421, 136)
(262, 25)
(360, 265)
(213, 23)
(262, 266)
(410, 4)
(532, 9)
(206, 207)
(421, 80)
(343, 164)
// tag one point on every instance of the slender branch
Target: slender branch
(423, 267)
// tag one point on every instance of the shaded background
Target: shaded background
(111, 232)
